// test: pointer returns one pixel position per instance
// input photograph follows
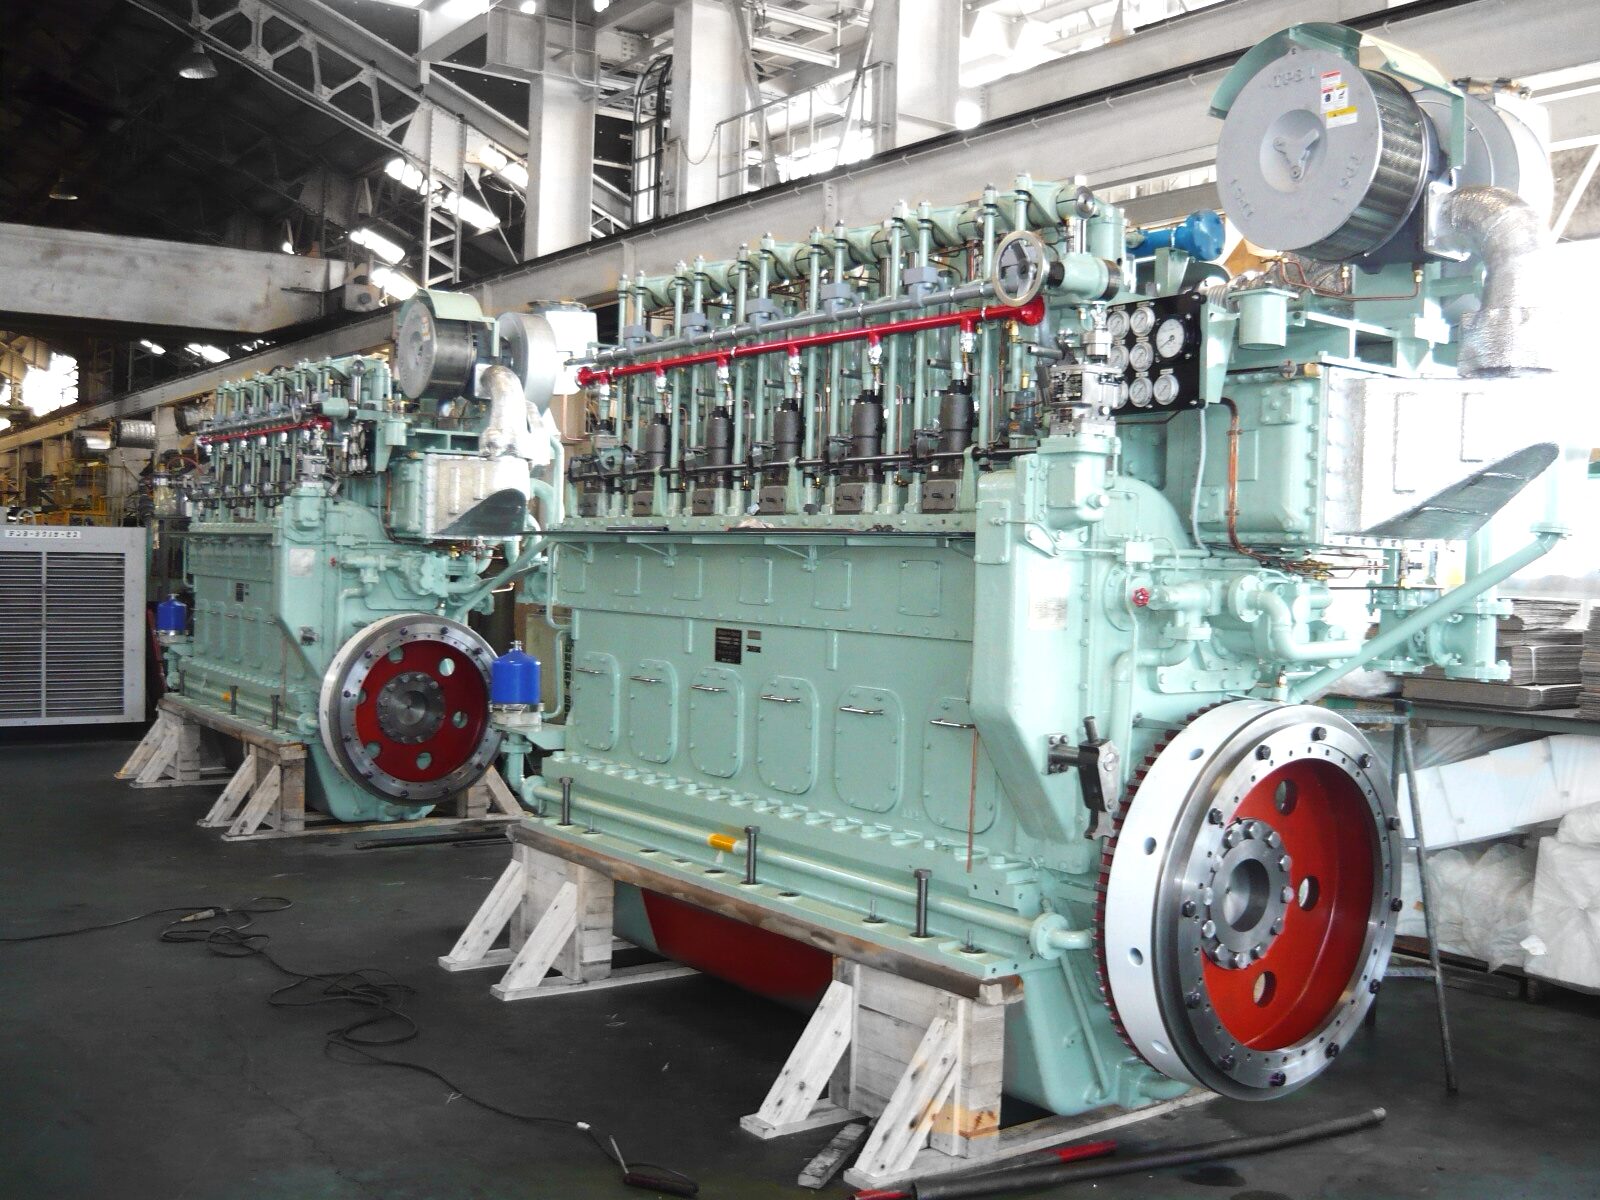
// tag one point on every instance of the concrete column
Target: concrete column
(708, 86)
(560, 161)
(922, 39)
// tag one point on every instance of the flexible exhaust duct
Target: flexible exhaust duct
(1509, 334)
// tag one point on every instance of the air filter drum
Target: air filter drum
(1321, 157)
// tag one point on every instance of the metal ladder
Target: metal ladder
(1402, 756)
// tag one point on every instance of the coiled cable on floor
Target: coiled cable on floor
(380, 1020)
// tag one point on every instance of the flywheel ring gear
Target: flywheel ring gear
(1264, 1020)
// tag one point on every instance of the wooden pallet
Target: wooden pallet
(917, 1049)
(926, 1066)
(266, 796)
(557, 918)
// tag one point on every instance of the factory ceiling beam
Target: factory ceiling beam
(1089, 130)
(67, 273)
(367, 47)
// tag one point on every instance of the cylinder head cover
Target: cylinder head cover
(1321, 157)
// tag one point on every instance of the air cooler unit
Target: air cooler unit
(71, 625)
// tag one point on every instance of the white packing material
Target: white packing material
(1486, 797)
(1482, 901)
(1563, 941)
(1496, 905)
(1581, 826)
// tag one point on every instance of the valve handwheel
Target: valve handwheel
(1248, 908)
(1021, 266)
(405, 708)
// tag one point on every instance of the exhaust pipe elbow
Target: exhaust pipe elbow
(1512, 332)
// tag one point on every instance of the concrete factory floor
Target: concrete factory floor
(133, 1069)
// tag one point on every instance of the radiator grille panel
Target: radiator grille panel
(71, 625)
(21, 634)
(83, 634)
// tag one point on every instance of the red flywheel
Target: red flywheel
(1248, 909)
(405, 708)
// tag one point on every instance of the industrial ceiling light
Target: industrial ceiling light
(195, 63)
(60, 190)
(385, 248)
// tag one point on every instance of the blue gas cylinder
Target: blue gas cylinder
(514, 678)
(172, 616)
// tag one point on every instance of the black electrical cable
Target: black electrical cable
(193, 912)
(379, 998)
(1027, 1179)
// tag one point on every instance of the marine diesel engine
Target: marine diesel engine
(350, 514)
(964, 581)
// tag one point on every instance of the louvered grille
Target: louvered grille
(69, 643)
(83, 634)
(21, 635)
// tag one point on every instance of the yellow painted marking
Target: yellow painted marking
(721, 841)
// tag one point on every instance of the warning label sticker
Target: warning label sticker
(1336, 107)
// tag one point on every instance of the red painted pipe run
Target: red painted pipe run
(1030, 313)
(314, 423)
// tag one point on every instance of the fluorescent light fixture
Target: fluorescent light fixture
(508, 168)
(394, 284)
(968, 114)
(211, 354)
(151, 346)
(381, 246)
(470, 211)
(407, 175)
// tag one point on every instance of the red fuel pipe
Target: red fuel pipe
(1030, 313)
(314, 423)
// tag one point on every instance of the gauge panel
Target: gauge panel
(1156, 345)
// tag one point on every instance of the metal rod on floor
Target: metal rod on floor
(430, 839)
(1408, 750)
(1028, 1179)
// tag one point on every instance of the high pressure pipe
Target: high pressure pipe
(1027, 1179)
(1030, 313)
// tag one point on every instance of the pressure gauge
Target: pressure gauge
(1140, 356)
(1117, 323)
(1166, 388)
(1117, 360)
(1142, 321)
(1169, 338)
(1139, 393)
(1122, 395)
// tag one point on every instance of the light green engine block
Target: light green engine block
(340, 536)
(970, 575)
